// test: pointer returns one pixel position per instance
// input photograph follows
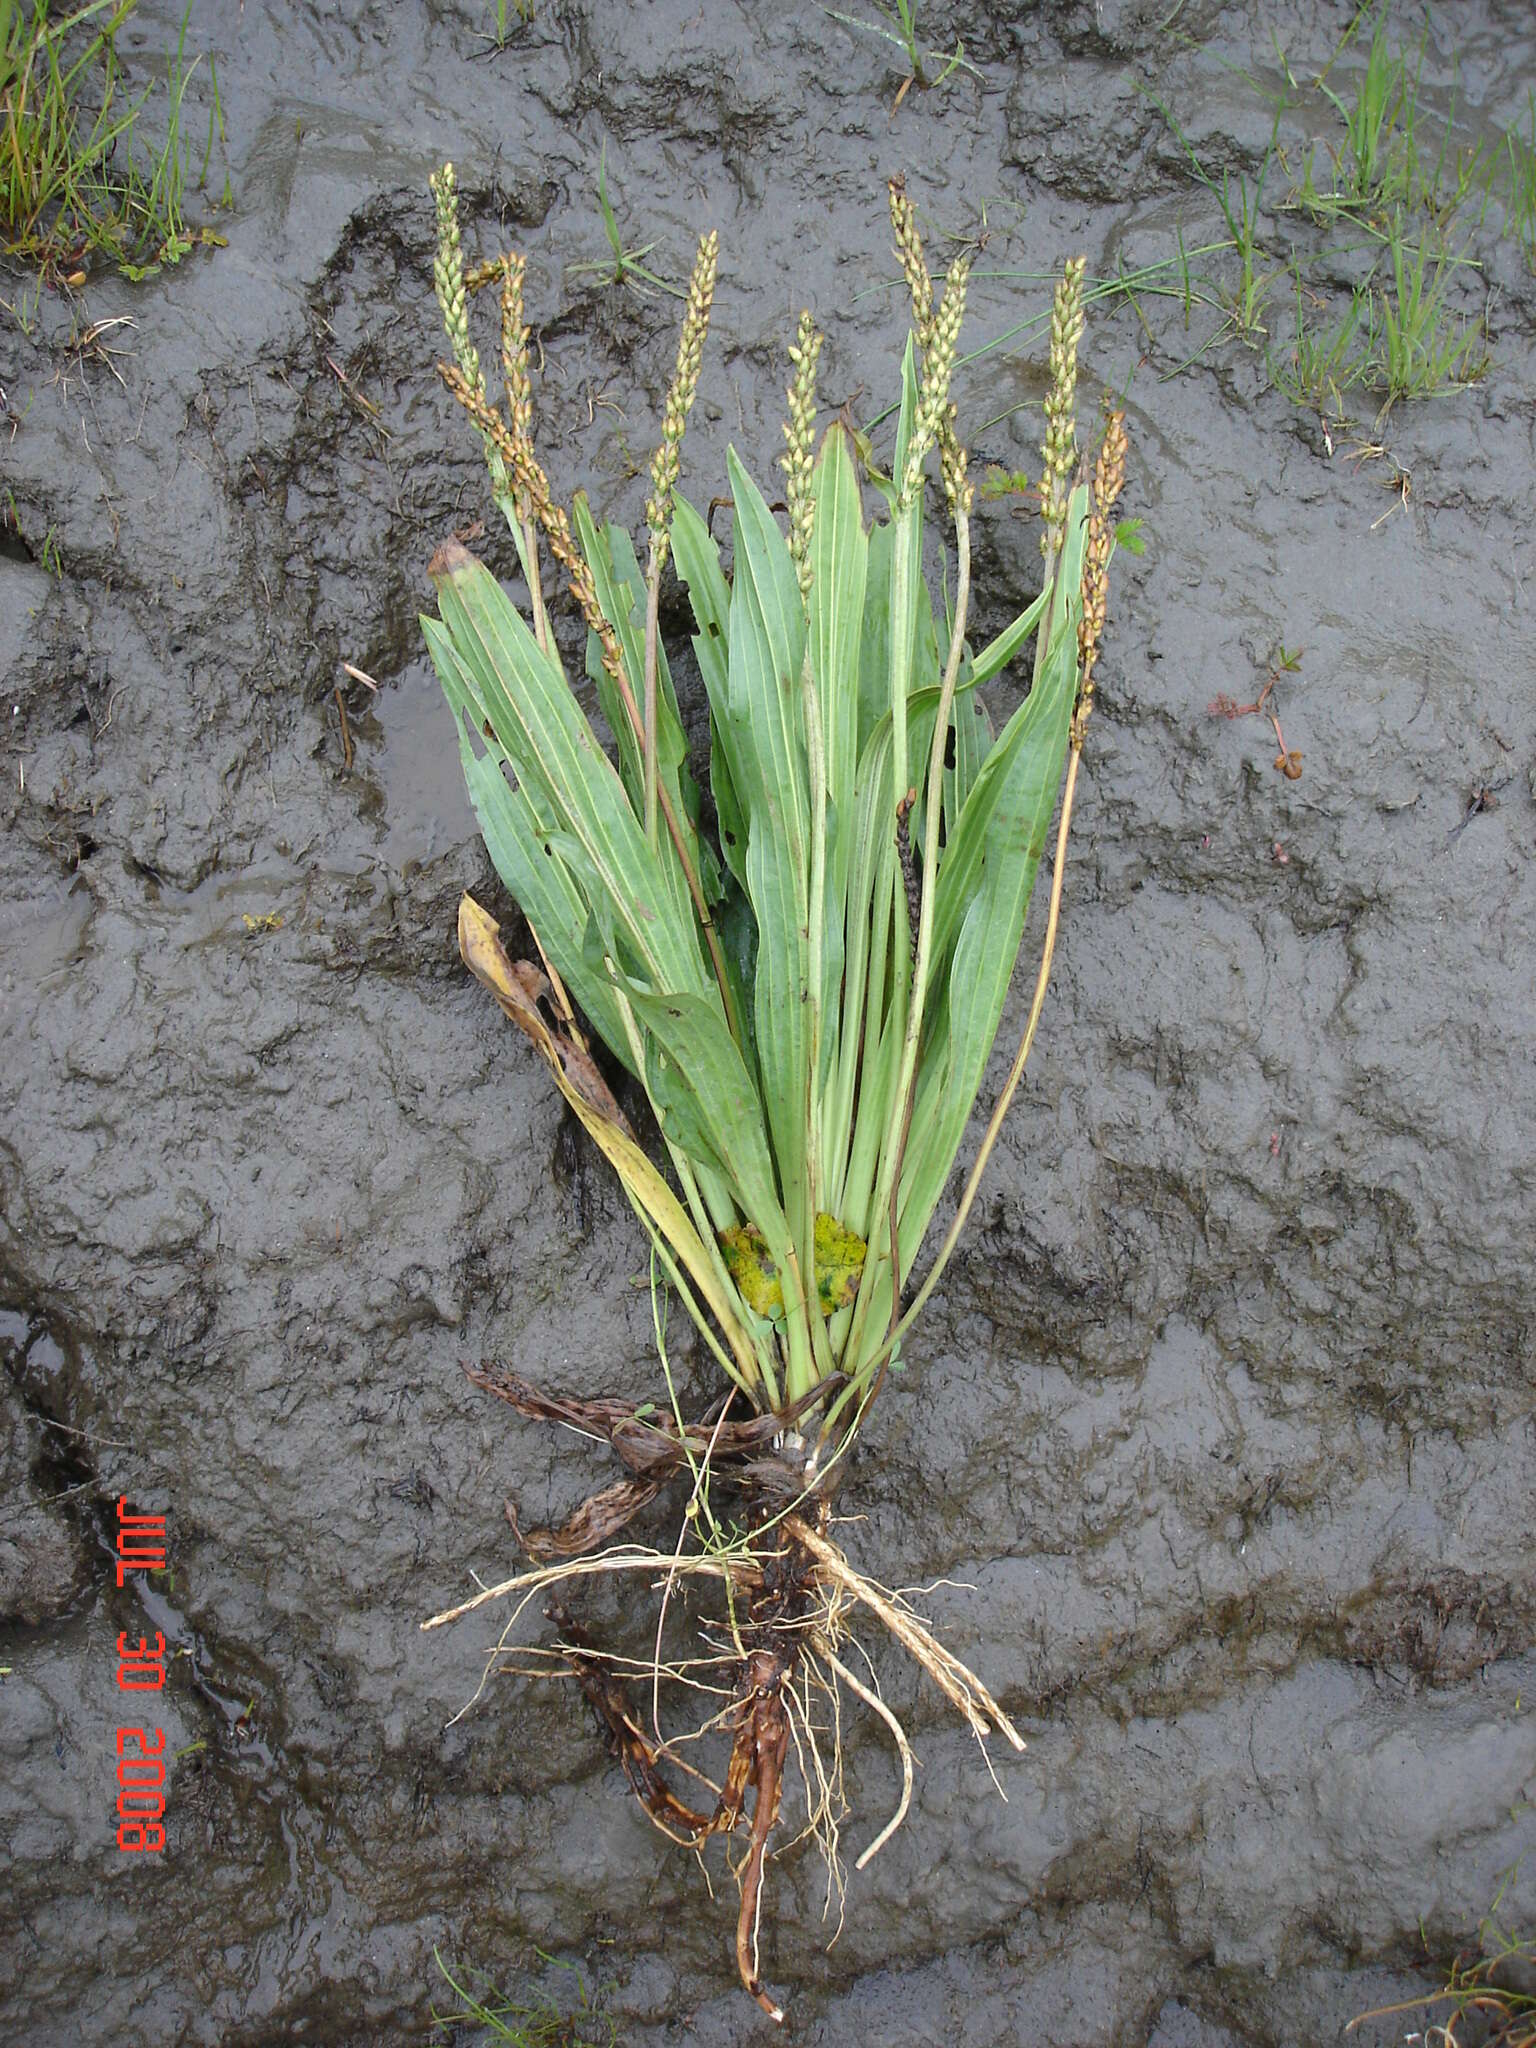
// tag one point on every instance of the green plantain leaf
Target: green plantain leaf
(523, 699)
(767, 644)
(517, 841)
(621, 596)
(781, 1013)
(997, 654)
(875, 640)
(985, 880)
(870, 882)
(706, 1082)
(698, 564)
(625, 741)
(839, 559)
(972, 732)
(763, 719)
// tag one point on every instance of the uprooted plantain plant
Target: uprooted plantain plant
(808, 998)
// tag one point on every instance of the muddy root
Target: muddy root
(790, 1592)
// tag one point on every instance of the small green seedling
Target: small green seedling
(1517, 162)
(1240, 202)
(903, 33)
(629, 266)
(505, 11)
(536, 2022)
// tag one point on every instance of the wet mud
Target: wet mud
(1220, 1433)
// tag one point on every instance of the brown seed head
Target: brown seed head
(514, 349)
(1108, 482)
(529, 480)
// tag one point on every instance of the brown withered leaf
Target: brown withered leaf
(520, 988)
(600, 1518)
(648, 1443)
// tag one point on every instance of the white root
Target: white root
(903, 1750)
(959, 1684)
(625, 1559)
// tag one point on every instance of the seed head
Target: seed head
(1108, 482)
(514, 348)
(800, 437)
(933, 407)
(531, 484)
(1060, 445)
(448, 276)
(666, 464)
(909, 247)
(958, 488)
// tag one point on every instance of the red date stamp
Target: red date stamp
(140, 1669)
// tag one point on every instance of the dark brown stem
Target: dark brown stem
(770, 1742)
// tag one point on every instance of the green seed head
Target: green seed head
(666, 464)
(798, 459)
(448, 276)
(909, 247)
(933, 407)
(1060, 445)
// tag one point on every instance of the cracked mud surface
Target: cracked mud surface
(1223, 1423)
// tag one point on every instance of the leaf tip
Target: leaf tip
(451, 559)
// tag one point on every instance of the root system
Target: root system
(778, 1655)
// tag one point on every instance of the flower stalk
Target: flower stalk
(666, 467)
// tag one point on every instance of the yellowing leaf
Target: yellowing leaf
(520, 989)
(749, 1265)
(839, 1263)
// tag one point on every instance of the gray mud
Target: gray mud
(1223, 1424)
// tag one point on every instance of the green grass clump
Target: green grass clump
(1517, 182)
(78, 176)
(1397, 336)
(1375, 232)
(1417, 346)
(1379, 157)
(537, 2022)
(809, 994)
(505, 10)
